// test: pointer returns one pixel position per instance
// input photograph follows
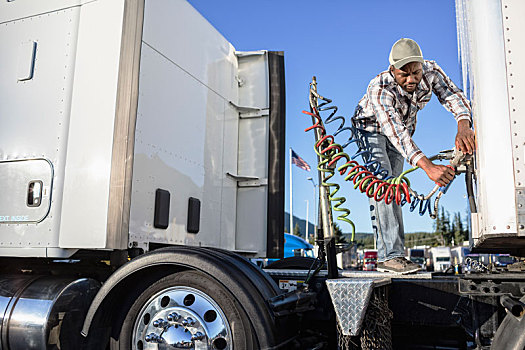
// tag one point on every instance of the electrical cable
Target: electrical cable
(470, 188)
(370, 178)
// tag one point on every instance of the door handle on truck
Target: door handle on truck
(34, 193)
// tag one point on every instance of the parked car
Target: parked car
(297, 246)
(293, 246)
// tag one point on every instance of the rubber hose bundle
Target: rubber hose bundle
(370, 178)
(327, 149)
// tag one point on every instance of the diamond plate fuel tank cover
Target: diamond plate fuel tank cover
(350, 298)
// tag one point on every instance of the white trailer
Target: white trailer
(491, 36)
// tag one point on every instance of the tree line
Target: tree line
(448, 230)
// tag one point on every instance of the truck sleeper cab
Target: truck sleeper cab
(129, 126)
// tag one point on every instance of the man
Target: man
(386, 119)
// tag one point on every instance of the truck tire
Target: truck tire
(186, 307)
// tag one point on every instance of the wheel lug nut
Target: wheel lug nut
(197, 336)
(188, 322)
(173, 316)
(153, 338)
(160, 323)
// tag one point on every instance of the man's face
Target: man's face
(408, 76)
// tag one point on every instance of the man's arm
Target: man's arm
(440, 174)
(393, 128)
(465, 137)
(454, 100)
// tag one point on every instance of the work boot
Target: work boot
(398, 265)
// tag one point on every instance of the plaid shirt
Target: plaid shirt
(388, 109)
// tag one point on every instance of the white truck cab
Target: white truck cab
(129, 126)
(441, 258)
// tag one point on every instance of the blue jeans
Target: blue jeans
(387, 220)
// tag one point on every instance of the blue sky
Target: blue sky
(345, 44)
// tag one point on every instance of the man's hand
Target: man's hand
(440, 174)
(465, 137)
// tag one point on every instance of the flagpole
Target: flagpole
(291, 195)
(306, 234)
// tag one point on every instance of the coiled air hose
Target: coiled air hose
(370, 178)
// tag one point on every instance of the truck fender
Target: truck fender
(251, 285)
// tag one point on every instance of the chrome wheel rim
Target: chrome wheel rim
(181, 318)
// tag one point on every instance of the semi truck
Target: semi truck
(441, 258)
(417, 255)
(142, 164)
(370, 260)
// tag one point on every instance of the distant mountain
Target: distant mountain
(302, 227)
(301, 222)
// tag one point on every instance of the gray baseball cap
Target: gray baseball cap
(405, 51)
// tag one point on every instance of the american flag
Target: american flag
(300, 162)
